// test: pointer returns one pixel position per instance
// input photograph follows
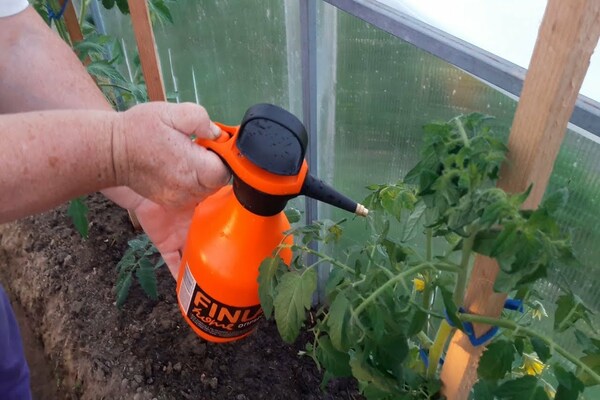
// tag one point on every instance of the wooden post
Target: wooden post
(144, 37)
(566, 39)
(71, 22)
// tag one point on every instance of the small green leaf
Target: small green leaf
(593, 362)
(556, 200)
(159, 11)
(497, 360)
(541, 349)
(78, 212)
(293, 298)
(339, 316)
(569, 387)
(108, 4)
(484, 390)
(589, 345)
(266, 283)
(334, 361)
(123, 289)
(104, 69)
(569, 310)
(147, 278)
(139, 243)
(451, 309)
(123, 6)
(363, 372)
(410, 229)
(523, 388)
(293, 215)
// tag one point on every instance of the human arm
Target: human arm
(48, 157)
(56, 79)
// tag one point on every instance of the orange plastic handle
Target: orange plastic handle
(248, 172)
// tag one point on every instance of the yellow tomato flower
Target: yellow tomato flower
(419, 283)
(538, 311)
(532, 365)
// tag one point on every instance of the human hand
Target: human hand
(154, 156)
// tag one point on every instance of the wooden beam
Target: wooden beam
(566, 40)
(144, 36)
(71, 22)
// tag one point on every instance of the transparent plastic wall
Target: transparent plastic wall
(237, 54)
(378, 92)
(227, 55)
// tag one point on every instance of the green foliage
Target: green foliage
(141, 260)
(381, 306)
(78, 212)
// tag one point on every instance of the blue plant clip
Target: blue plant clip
(56, 16)
(514, 304)
(425, 357)
(509, 304)
(470, 331)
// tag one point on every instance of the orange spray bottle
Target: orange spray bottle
(235, 229)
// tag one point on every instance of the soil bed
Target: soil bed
(64, 286)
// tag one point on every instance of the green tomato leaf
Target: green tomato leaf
(293, 215)
(541, 348)
(147, 278)
(413, 222)
(556, 200)
(593, 362)
(569, 310)
(523, 388)
(363, 372)
(339, 317)
(267, 283)
(108, 4)
(588, 344)
(497, 360)
(78, 212)
(569, 387)
(104, 69)
(334, 361)
(293, 298)
(123, 6)
(123, 289)
(451, 309)
(484, 390)
(127, 261)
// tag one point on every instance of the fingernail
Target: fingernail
(215, 130)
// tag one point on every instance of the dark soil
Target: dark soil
(64, 288)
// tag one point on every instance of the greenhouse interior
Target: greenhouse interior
(432, 236)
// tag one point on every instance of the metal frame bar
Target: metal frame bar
(308, 35)
(478, 62)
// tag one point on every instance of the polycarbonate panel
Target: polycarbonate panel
(228, 55)
(377, 93)
(484, 24)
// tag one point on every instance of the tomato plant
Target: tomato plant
(394, 301)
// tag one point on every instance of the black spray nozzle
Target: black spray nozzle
(275, 141)
(319, 190)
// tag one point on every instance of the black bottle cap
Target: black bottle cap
(273, 139)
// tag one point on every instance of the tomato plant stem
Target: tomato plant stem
(391, 282)
(436, 349)
(461, 278)
(461, 131)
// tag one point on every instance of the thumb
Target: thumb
(190, 119)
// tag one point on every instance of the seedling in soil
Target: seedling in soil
(141, 260)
